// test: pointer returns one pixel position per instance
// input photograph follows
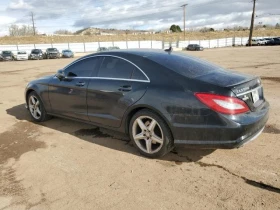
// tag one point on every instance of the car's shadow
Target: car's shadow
(106, 138)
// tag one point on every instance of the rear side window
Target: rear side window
(184, 64)
(138, 75)
(113, 67)
(82, 68)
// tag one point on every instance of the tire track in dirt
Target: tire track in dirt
(271, 129)
(254, 66)
(273, 79)
(258, 184)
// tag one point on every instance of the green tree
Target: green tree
(175, 28)
(277, 26)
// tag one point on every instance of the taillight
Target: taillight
(223, 104)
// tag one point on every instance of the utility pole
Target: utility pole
(184, 13)
(252, 23)
(32, 18)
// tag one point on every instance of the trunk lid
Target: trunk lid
(246, 87)
(251, 92)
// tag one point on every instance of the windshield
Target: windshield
(66, 51)
(21, 53)
(6, 52)
(35, 51)
(52, 49)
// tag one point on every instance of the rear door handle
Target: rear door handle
(125, 88)
(80, 84)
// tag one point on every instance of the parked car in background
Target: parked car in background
(21, 56)
(113, 48)
(158, 98)
(255, 42)
(7, 56)
(101, 49)
(51, 53)
(273, 41)
(36, 54)
(67, 54)
(194, 47)
(262, 41)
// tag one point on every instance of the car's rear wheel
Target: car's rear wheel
(150, 134)
(36, 108)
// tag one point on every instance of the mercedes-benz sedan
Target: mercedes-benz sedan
(158, 98)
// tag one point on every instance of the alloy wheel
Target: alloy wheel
(147, 134)
(34, 107)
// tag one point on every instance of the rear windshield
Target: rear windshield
(52, 49)
(21, 53)
(184, 64)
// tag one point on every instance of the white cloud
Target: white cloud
(6, 20)
(19, 4)
(51, 15)
(4, 23)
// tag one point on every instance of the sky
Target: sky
(52, 15)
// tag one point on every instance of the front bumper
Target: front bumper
(236, 131)
(35, 57)
(66, 56)
(53, 55)
(21, 59)
(7, 59)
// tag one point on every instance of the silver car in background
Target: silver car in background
(67, 54)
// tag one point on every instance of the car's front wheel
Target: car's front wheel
(36, 108)
(150, 134)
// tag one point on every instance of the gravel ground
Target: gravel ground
(62, 164)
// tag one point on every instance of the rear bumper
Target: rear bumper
(224, 144)
(236, 132)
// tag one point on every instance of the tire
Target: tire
(154, 138)
(37, 104)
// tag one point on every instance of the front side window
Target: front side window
(82, 68)
(113, 67)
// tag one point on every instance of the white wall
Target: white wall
(93, 46)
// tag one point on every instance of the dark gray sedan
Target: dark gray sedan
(158, 98)
(194, 47)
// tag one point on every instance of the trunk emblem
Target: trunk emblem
(245, 98)
(242, 89)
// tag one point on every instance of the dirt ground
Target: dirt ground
(62, 164)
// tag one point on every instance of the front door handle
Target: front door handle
(80, 84)
(125, 88)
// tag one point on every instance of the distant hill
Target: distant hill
(100, 31)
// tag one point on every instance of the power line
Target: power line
(252, 23)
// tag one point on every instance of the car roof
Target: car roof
(138, 52)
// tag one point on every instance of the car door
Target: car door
(68, 96)
(117, 85)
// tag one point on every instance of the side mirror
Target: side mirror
(60, 75)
